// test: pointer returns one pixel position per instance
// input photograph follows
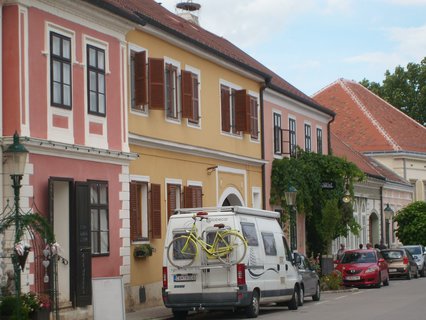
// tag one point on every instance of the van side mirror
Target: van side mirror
(297, 260)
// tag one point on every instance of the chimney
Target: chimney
(189, 11)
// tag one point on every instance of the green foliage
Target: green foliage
(143, 250)
(31, 222)
(9, 306)
(332, 281)
(405, 89)
(412, 223)
(327, 217)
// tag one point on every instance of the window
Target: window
(308, 140)
(193, 197)
(254, 127)
(138, 89)
(96, 80)
(269, 244)
(292, 132)
(173, 199)
(238, 112)
(99, 217)
(190, 97)
(145, 211)
(249, 233)
(139, 211)
(319, 140)
(277, 134)
(171, 81)
(60, 70)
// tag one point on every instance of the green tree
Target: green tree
(327, 217)
(405, 89)
(412, 224)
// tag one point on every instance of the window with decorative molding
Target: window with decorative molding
(60, 71)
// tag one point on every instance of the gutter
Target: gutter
(329, 135)
(262, 140)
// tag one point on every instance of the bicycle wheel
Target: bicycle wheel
(231, 247)
(182, 251)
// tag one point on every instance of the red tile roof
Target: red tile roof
(368, 123)
(368, 165)
(154, 14)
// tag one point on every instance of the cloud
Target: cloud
(411, 41)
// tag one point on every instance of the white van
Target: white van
(266, 273)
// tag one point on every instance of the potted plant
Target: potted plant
(38, 305)
(143, 250)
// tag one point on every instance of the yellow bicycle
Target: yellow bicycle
(228, 245)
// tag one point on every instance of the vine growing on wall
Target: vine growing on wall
(327, 216)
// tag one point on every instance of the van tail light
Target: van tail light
(241, 274)
(405, 260)
(165, 279)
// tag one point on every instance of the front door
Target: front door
(69, 212)
(82, 270)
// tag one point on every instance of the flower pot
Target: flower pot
(41, 314)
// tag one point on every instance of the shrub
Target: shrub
(332, 281)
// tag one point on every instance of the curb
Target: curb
(340, 291)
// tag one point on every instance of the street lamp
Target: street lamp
(16, 157)
(290, 198)
(388, 215)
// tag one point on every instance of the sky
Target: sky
(312, 43)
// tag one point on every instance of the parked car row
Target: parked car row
(374, 267)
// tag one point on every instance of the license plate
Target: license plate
(392, 270)
(352, 278)
(185, 277)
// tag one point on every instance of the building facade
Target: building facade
(63, 91)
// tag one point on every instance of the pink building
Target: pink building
(64, 91)
(292, 119)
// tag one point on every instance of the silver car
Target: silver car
(419, 254)
(310, 279)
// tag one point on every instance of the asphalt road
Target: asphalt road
(401, 300)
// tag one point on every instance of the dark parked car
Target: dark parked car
(310, 279)
(363, 268)
(401, 263)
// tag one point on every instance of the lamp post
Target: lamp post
(388, 215)
(16, 157)
(290, 198)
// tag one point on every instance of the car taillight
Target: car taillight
(405, 260)
(241, 274)
(165, 281)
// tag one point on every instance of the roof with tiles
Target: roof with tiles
(368, 123)
(154, 14)
(368, 165)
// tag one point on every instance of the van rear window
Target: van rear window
(250, 234)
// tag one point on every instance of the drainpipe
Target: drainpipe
(329, 135)
(262, 140)
(381, 213)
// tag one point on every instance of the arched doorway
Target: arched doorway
(231, 197)
(374, 226)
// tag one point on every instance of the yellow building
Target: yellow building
(194, 119)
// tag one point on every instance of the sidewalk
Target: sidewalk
(160, 312)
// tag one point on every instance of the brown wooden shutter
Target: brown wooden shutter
(193, 197)
(242, 111)
(186, 88)
(155, 211)
(171, 199)
(254, 126)
(226, 121)
(156, 83)
(141, 97)
(135, 212)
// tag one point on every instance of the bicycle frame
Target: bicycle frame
(210, 249)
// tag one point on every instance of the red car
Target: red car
(363, 268)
